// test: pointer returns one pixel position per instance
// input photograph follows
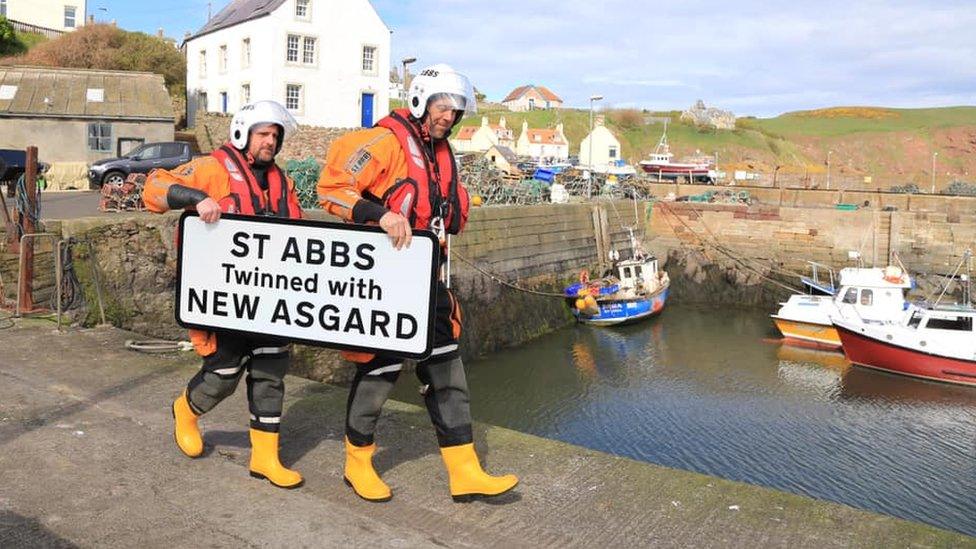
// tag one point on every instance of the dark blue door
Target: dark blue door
(223, 102)
(367, 102)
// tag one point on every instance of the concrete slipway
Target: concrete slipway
(87, 459)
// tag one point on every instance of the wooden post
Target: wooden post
(26, 297)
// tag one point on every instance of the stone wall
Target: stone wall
(212, 130)
(538, 248)
(726, 253)
(823, 198)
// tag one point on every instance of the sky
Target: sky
(753, 58)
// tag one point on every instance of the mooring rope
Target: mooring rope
(726, 252)
(498, 279)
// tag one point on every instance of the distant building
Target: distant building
(530, 97)
(503, 158)
(606, 148)
(49, 17)
(483, 137)
(543, 145)
(326, 61)
(709, 117)
(82, 115)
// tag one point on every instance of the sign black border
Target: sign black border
(318, 224)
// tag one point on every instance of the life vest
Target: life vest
(246, 196)
(431, 189)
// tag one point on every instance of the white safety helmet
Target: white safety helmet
(441, 81)
(258, 114)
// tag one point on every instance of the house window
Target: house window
(246, 53)
(293, 97)
(69, 17)
(3, 8)
(203, 63)
(292, 51)
(613, 153)
(100, 137)
(222, 58)
(531, 103)
(202, 102)
(302, 9)
(308, 51)
(245, 94)
(369, 59)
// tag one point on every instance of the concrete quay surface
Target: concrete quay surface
(87, 459)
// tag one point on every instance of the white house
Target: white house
(483, 137)
(326, 61)
(606, 148)
(530, 97)
(542, 145)
(503, 158)
(50, 15)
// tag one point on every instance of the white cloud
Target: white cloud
(757, 58)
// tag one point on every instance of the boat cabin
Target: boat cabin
(638, 275)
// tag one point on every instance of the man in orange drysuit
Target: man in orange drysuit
(401, 174)
(240, 177)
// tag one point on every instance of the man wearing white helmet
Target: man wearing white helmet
(239, 177)
(401, 175)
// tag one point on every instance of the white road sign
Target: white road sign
(326, 284)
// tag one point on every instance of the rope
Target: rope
(771, 267)
(504, 282)
(23, 204)
(728, 253)
(70, 286)
(158, 346)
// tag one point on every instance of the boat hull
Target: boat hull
(808, 331)
(870, 352)
(615, 312)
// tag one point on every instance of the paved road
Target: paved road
(87, 458)
(69, 204)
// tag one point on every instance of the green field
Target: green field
(796, 142)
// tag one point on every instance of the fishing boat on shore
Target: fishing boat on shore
(660, 164)
(871, 294)
(633, 289)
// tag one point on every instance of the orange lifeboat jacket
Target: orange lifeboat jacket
(226, 177)
(390, 168)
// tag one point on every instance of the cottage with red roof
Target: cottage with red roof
(529, 97)
(543, 145)
(483, 137)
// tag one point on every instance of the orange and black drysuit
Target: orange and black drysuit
(395, 166)
(246, 188)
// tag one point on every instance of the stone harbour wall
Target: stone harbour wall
(537, 248)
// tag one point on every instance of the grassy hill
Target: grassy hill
(894, 146)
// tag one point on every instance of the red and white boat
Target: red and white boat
(659, 164)
(931, 342)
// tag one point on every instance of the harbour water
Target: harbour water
(708, 390)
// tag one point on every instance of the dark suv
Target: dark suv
(143, 159)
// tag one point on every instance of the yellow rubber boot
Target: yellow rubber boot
(468, 479)
(360, 475)
(265, 464)
(185, 429)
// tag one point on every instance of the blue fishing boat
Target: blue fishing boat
(632, 290)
